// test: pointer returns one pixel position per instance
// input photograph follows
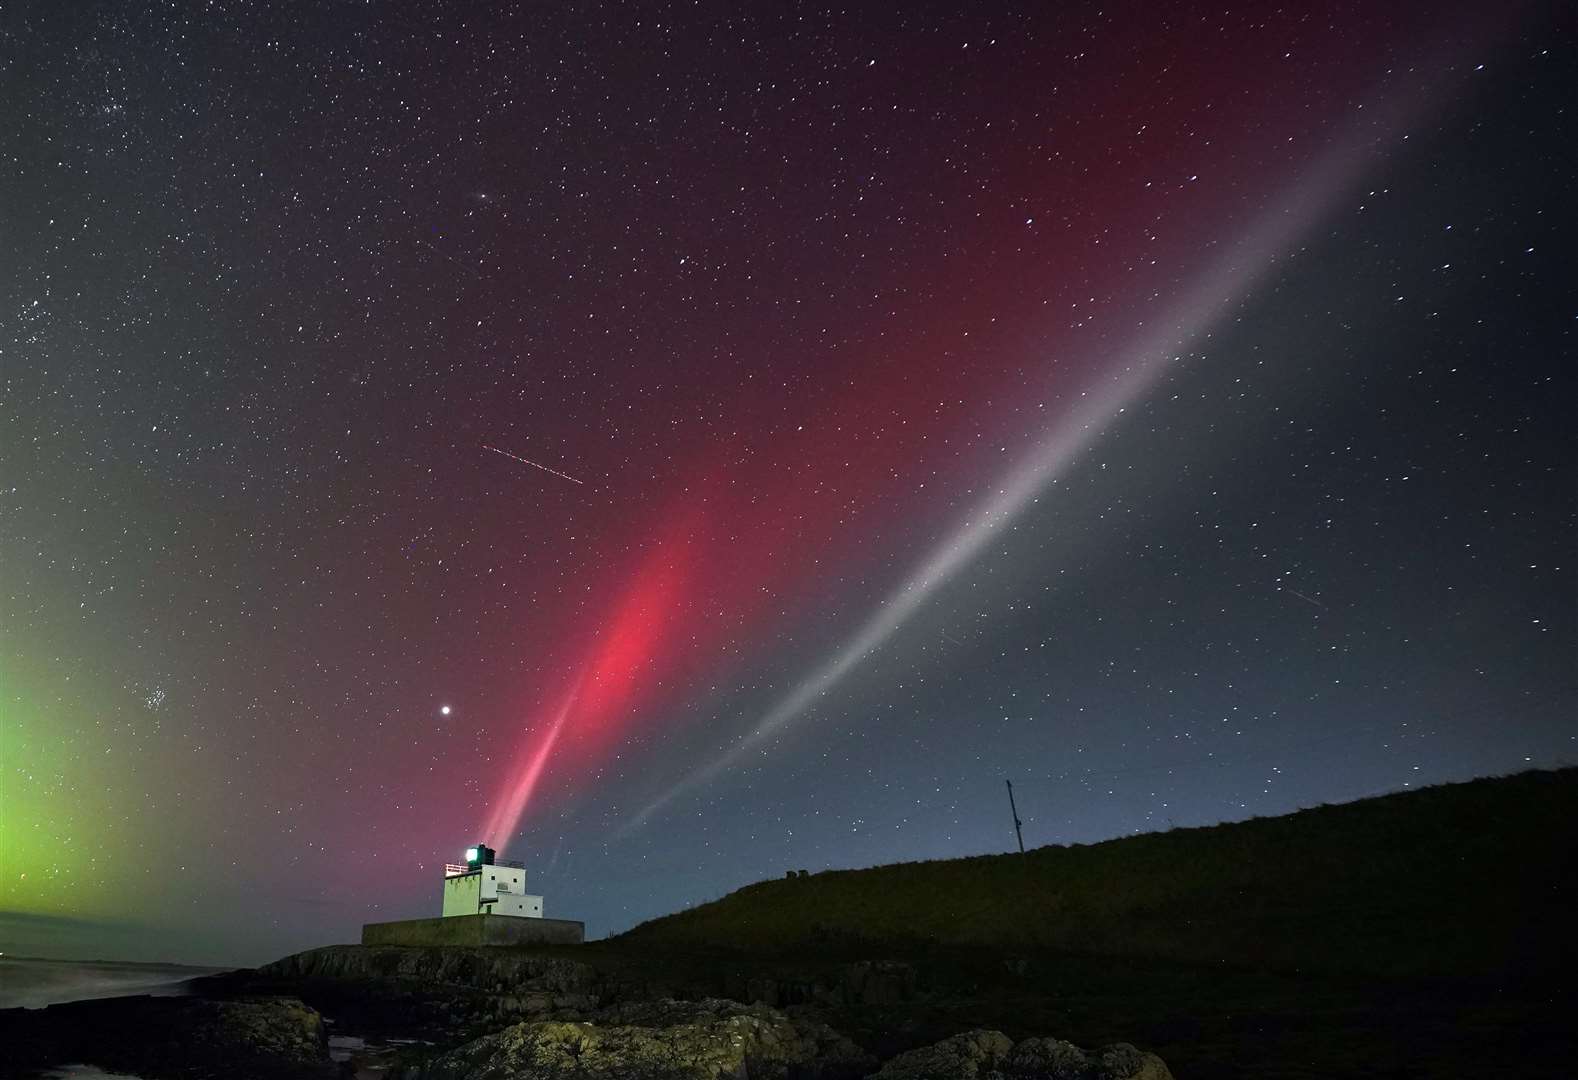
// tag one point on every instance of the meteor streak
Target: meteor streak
(1306, 599)
(533, 464)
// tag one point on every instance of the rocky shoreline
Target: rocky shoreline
(495, 1014)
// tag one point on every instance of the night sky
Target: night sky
(1168, 408)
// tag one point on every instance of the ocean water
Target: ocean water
(33, 984)
(369, 1057)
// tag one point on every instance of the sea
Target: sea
(33, 983)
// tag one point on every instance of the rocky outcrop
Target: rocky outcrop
(868, 982)
(462, 989)
(991, 1055)
(725, 1040)
(487, 969)
(660, 1040)
(529, 984)
(972, 1055)
(499, 1014)
(171, 1037)
(437, 993)
(1054, 1059)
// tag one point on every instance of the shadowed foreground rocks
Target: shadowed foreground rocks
(664, 1040)
(477, 1014)
(991, 1055)
(488, 969)
(725, 1040)
(169, 1037)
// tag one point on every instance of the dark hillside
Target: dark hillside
(1472, 878)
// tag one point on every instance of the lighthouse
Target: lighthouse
(484, 884)
(485, 903)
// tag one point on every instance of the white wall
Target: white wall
(504, 886)
(520, 905)
(502, 880)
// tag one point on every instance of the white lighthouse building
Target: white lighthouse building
(484, 885)
(485, 903)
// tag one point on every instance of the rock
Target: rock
(482, 969)
(278, 1029)
(991, 1055)
(1120, 1061)
(881, 982)
(963, 1057)
(1049, 1058)
(762, 989)
(1054, 1059)
(172, 1037)
(437, 993)
(658, 1040)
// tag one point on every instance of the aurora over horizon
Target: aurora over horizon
(674, 448)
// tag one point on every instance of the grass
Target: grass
(1471, 879)
(1423, 934)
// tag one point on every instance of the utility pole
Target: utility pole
(1015, 810)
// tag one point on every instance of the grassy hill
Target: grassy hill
(1472, 878)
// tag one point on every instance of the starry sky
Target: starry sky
(678, 444)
